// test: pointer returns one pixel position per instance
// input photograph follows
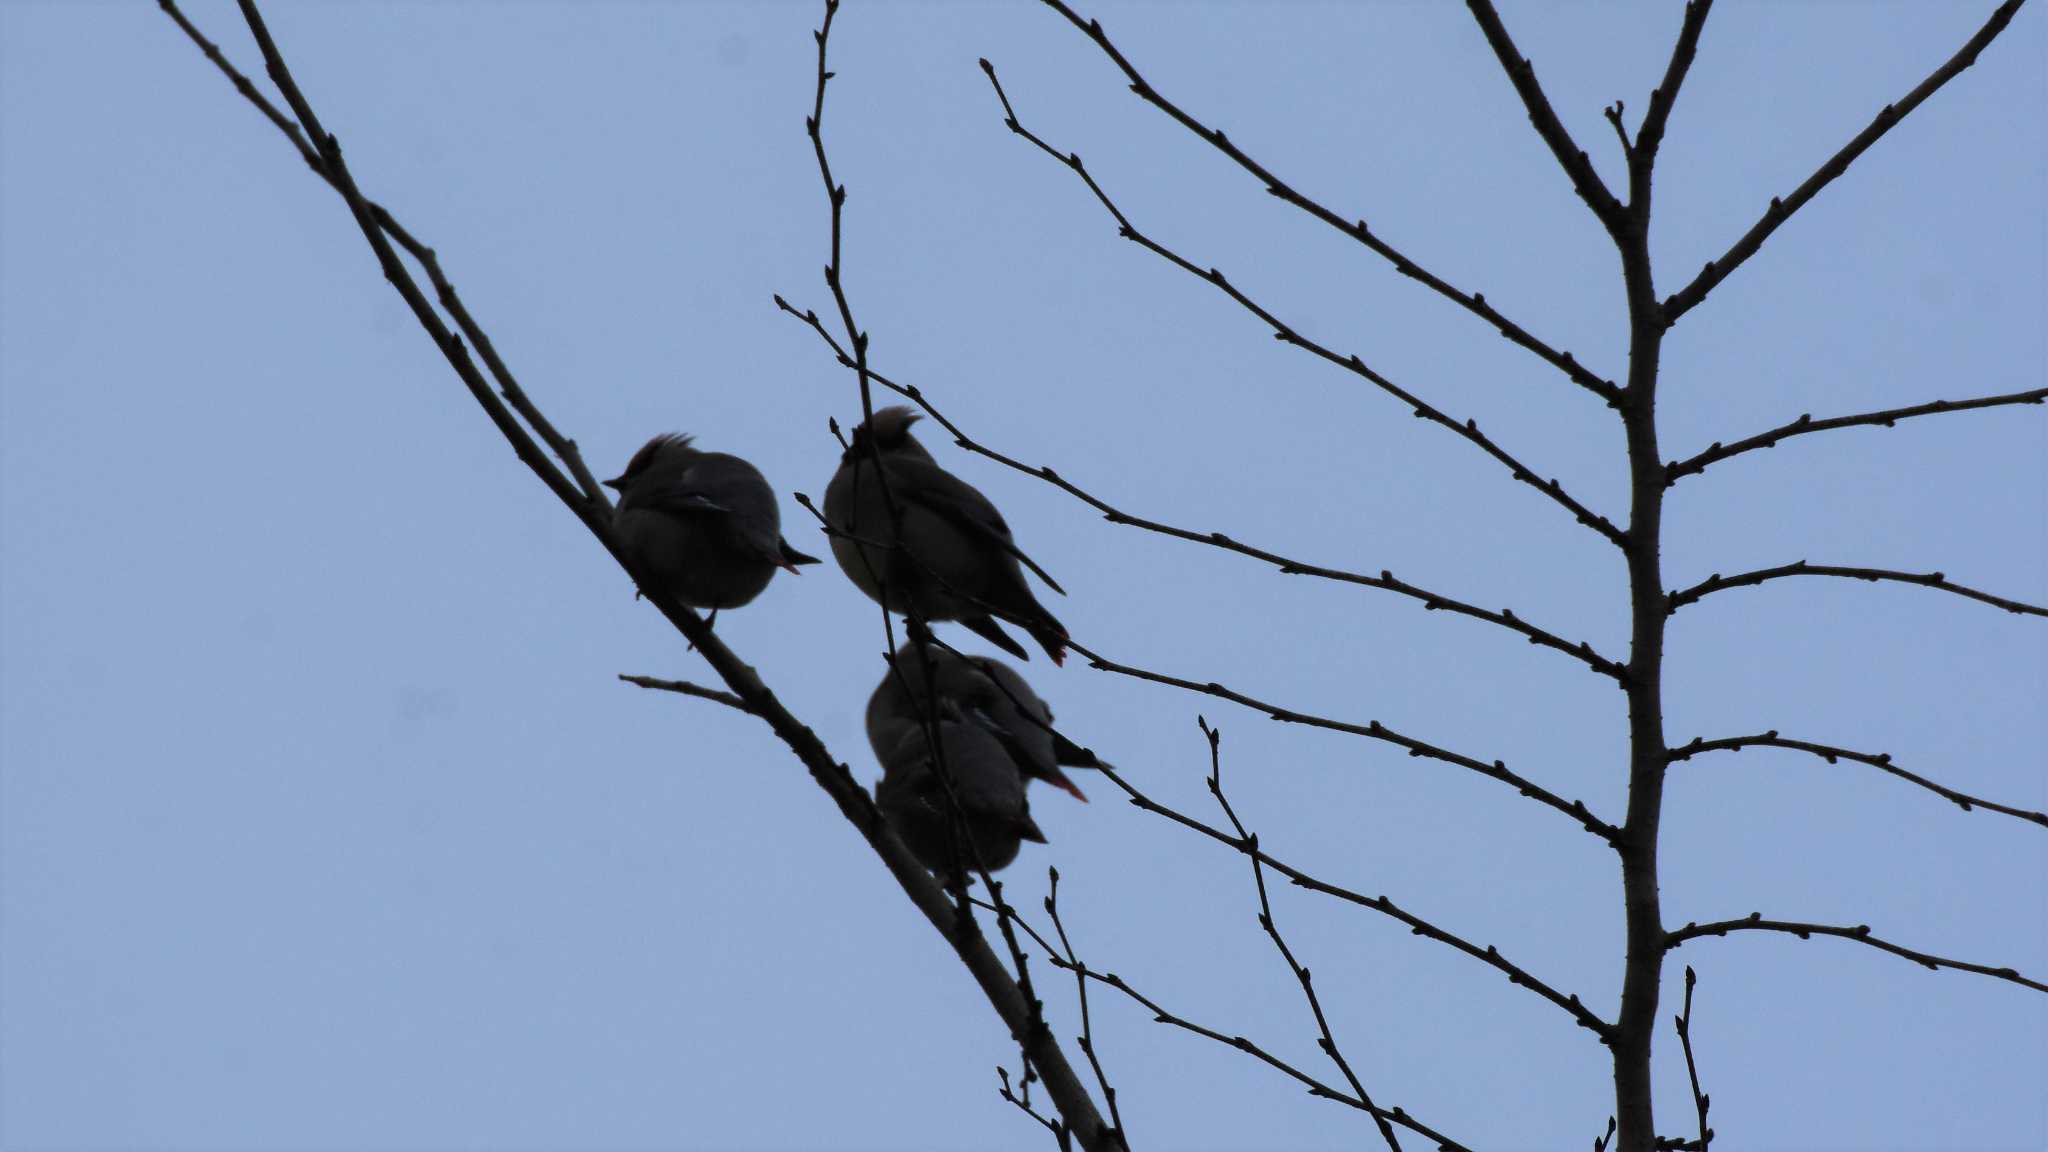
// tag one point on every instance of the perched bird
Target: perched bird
(993, 816)
(704, 524)
(978, 687)
(956, 561)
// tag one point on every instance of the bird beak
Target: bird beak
(616, 485)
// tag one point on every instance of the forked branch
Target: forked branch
(1781, 209)
(1287, 334)
(1354, 229)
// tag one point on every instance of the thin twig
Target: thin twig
(1781, 209)
(1163, 1015)
(1087, 1038)
(1356, 229)
(1287, 334)
(1432, 601)
(1860, 933)
(1060, 1133)
(1650, 136)
(1831, 754)
(1576, 164)
(1700, 1100)
(1327, 1040)
(1373, 730)
(1416, 925)
(685, 688)
(564, 448)
(1679, 469)
(1937, 580)
(998, 985)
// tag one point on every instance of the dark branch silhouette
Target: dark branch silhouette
(1355, 229)
(1489, 954)
(1700, 1100)
(685, 688)
(1319, 1088)
(1326, 1040)
(1432, 601)
(1086, 1040)
(1937, 580)
(1831, 754)
(1573, 159)
(1717, 452)
(1860, 933)
(1001, 988)
(1287, 334)
(1683, 300)
(1650, 137)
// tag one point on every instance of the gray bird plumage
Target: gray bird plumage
(958, 560)
(703, 524)
(994, 817)
(976, 687)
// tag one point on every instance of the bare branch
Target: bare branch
(1682, 301)
(1522, 74)
(1860, 933)
(1001, 988)
(1700, 1100)
(1679, 469)
(1432, 601)
(1372, 730)
(564, 448)
(1355, 229)
(1087, 1038)
(685, 688)
(1650, 136)
(1718, 582)
(1327, 1041)
(1287, 334)
(1060, 1134)
(1831, 754)
(1488, 955)
(1164, 1015)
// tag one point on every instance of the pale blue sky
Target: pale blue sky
(324, 824)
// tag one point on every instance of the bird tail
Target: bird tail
(986, 628)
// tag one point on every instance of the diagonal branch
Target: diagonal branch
(1472, 302)
(1286, 333)
(1505, 618)
(1700, 1100)
(1683, 301)
(564, 448)
(1372, 730)
(1650, 136)
(1831, 754)
(686, 688)
(1718, 582)
(1086, 1040)
(1416, 925)
(997, 984)
(1716, 452)
(1327, 1041)
(1860, 933)
(1576, 164)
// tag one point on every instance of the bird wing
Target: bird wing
(924, 483)
(727, 486)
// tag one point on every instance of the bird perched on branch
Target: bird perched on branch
(923, 542)
(978, 687)
(985, 819)
(702, 524)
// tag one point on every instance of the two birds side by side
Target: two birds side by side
(705, 527)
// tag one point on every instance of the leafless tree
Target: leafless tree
(1002, 971)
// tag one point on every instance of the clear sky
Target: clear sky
(325, 824)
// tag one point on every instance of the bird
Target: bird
(979, 687)
(987, 818)
(957, 559)
(703, 524)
